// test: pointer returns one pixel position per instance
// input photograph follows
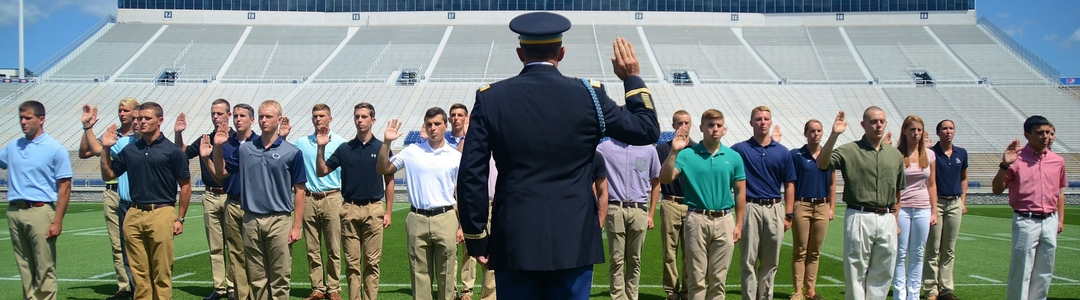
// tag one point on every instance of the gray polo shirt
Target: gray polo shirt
(267, 175)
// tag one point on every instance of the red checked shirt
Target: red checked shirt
(1035, 182)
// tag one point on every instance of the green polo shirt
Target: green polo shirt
(708, 178)
(871, 177)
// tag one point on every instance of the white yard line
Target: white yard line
(822, 253)
(1066, 279)
(182, 275)
(102, 275)
(985, 279)
(830, 279)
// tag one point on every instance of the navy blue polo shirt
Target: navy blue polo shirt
(949, 169)
(228, 150)
(152, 169)
(812, 182)
(767, 168)
(192, 151)
(357, 160)
(675, 188)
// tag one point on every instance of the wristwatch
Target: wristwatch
(789, 216)
(181, 220)
(1003, 166)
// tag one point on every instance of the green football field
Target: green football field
(85, 267)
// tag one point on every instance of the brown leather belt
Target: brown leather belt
(759, 201)
(948, 198)
(320, 195)
(626, 204)
(1034, 214)
(709, 213)
(149, 207)
(876, 210)
(432, 212)
(362, 202)
(215, 190)
(676, 199)
(812, 200)
(25, 204)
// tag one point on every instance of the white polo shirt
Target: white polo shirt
(430, 174)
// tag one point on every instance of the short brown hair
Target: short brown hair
(806, 127)
(459, 106)
(679, 113)
(760, 108)
(158, 112)
(367, 106)
(321, 107)
(221, 101)
(33, 106)
(711, 114)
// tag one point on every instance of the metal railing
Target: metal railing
(75, 79)
(45, 69)
(294, 79)
(1041, 67)
(350, 79)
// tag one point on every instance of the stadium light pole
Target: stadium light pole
(22, 65)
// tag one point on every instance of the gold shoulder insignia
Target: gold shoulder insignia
(595, 83)
(484, 87)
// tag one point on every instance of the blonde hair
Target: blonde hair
(130, 102)
(272, 103)
(760, 108)
(321, 107)
(910, 121)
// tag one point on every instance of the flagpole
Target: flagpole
(22, 65)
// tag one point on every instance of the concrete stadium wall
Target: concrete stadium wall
(577, 17)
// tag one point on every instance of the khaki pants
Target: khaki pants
(626, 227)
(941, 247)
(35, 255)
(322, 224)
(869, 254)
(111, 205)
(149, 240)
(469, 271)
(809, 226)
(762, 237)
(269, 254)
(1031, 266)
(432, 243)
(362, 236)
(672, 215)
(214, 214)
(708, 246)
(234, 242)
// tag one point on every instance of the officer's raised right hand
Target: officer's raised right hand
(625, 61)
(392, 131)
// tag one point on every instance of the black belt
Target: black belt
(215, 190)
(710, 213)
(625, 204)
(812, 200)
(25, 204)
(759, 201)
(876, 210)
(676, 199)
(947, 198)
(149, 207)
(362, 202)
(432, 212)
(112, 186)
(232, 198)
(320, 195)
(1034, 214)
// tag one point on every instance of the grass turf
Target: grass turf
(85, 267)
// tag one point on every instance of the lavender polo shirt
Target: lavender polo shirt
(630, 170)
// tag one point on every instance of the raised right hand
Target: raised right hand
(322, 136)
(840, 124)
(1012, 152)
(181, 123)
(625, 62)
(392, 131)
(221, 136)
(89, 116)
(205, 147)
(681, 139)
(108, 139)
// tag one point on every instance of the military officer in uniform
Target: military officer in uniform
(542, 129)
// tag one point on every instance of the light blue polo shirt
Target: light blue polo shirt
(310, 148)
(34, 167)
(123, 187)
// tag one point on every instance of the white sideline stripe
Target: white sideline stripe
(984, 278)
(595, 286)
(830, 279)
(1066, 279)
(94, 228)
(191, 255)
(102, 275)
(1010, 240)
(182, 275)
(821, 253)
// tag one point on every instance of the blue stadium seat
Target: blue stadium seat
(974, 184)
(3, 181)
(198, 182)
(95, 182)
(1074, 184)
(78, 182)
(399, 181)
(412, 137)
(666, 136)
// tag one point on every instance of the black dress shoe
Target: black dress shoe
(215, 296)
(120, 295)
(232, 293)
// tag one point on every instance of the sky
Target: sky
(1048, 28)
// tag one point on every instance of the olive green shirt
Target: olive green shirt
(871, 177)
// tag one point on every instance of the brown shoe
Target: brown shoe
(797, 297)
(817, 297)
(947, 295)
(317, 295)
(333, 296)
(931, 297)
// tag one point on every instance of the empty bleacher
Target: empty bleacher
(289, 52)
(210, 45)
(929, 104)
(787, 50)
(839, 64)
(1050, 102)
(376, 52)
(713, 53)
(110, 51)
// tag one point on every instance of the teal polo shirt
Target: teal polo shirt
(708, 178)
(310, 150)
(34, 167)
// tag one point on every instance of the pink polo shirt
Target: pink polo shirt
(1035, 182)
